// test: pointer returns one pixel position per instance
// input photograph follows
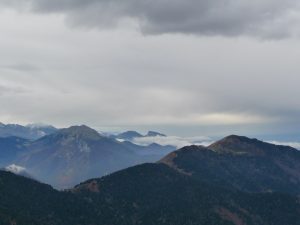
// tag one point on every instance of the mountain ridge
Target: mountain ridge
(241, 163)
(195, 185)
(27, 132)
(131, 135)
(72, 154)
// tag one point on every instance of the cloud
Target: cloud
(21, 67)
(221, 118)
(178, 84)
(292, 144)
(266, 18)
(179, 142)
(6, 89)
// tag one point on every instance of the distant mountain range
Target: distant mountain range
(68, 156)
(235, 181)
(131, 135)
(31, 131)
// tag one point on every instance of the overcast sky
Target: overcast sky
(183, 67)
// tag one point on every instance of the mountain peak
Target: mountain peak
(243, 145)
(154, 134)
(82, 131)
(236, 138)
(129, 135)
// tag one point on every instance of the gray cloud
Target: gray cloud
(266, 18)
(182, 85)
(179, 142)
(11, 90)
(21, 67)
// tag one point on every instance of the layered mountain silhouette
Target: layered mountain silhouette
(235, 181)
(31, 131)
(131, 135)
(73, 154)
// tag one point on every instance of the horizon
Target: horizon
(173, 140)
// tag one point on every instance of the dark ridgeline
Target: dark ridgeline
(236, 181)
(241, 163)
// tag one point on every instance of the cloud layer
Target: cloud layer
(179, 142)
(265, 19)
(292, 144)
(185, 85)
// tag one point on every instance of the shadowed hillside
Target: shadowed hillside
(241, 163)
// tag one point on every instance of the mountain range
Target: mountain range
(31, 131)
(131, 135)
(70, 155)
(235, 181)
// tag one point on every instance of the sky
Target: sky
(188, 68)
